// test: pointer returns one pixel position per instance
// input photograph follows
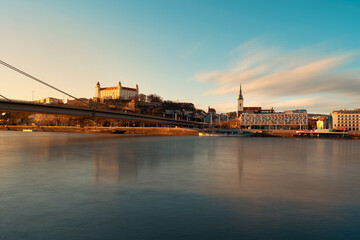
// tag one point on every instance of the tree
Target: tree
(142, 97)
(154, 98)
(18, 117)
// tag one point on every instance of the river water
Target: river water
(83, 186)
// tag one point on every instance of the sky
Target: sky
(285, 54)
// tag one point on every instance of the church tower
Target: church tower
(240, 103)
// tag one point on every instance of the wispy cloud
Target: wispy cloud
(273, 73)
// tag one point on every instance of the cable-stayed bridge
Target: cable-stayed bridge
(14, 105)
(22, 106)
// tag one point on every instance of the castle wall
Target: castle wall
(118, 92)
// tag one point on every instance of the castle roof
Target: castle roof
(211, 110)
(127, 88)
(109, 88)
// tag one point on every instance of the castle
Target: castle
(118, 92)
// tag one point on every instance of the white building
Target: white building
(296, 119)
(346, 119)
(258, 118)
(118, 92)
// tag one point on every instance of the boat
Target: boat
(322, 134)
(203, 134)
(116, 131)
(225, 134)
(30, 130)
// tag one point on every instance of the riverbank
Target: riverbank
(293, 133)
(156, 131)
(161, 131)
(272, 133)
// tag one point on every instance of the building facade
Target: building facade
(296, 119)
(258, 118)
(346, 119)
(118, 92)
(321, 123)
(50, 100)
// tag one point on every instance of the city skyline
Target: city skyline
(286, 55)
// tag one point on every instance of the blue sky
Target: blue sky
(286, 54)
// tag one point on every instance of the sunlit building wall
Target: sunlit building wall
(283, 120)
(49, 100)
(118, 92)
(346, 119)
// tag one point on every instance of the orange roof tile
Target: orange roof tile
(109, 88)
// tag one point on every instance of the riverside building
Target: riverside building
(346, 119)
(258, 118)
(293, 119)
(118, 92)
(49, 100)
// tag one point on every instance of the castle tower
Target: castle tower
(137, 92)
(119, 93)
(240, 103)
(97, 90)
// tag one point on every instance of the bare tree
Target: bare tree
(18, 117)
(142, 97)
(154, 98)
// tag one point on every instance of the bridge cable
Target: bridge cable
(40, 81)
(4, 97)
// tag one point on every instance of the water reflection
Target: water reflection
(301, 170)
(101, 186)
(111, 168)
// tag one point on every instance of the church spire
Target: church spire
(240, 93)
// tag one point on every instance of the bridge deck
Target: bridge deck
(56, 109)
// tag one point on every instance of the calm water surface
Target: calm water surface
(78, 186)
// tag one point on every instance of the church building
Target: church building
(241, 109)
(240, 103)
